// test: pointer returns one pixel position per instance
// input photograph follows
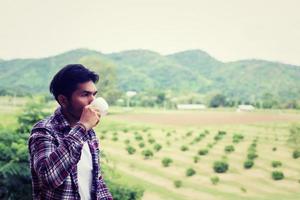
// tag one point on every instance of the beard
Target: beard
(73, 112)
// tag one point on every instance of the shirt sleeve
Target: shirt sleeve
(103, 190)
(53, 163)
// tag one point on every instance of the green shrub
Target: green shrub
(114, 138)
(166, 162)
(237, 138)
(252, 156)
(214, 180)
(229, 149)
(127, 141)
(274, 149)
(141, 144)
(147, 153)
(184, 148)
(196, 159)
(130, 150)
(124, 192)
(157, 147)
(138, 137)
(151, 140)
(276, 164)
(277, 175)
(203, 152)
(220, 166)
(296, 154)
(190, 172)
(248, 164)
(177, 183)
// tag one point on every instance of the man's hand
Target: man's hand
(90, 117)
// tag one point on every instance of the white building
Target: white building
(191, 106)
(245, 108)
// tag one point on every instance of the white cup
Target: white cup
(101, 104)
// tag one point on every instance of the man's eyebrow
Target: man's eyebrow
(89, 92)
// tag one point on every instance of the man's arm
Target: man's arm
(53, 164)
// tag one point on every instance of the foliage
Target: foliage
(147, 153)
(229, 148)
(277, 175)
(220, 166)
(157, 147)
(248, 164)
(184, 148)
(296, 154)
(166, 162)
(203, 152)
(177, 183)
(276, 164)
(214, 180)
(190, 172)
(294, 137)
(130, 149)
(121, 191)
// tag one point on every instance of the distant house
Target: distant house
(191, 106)
(246, 108)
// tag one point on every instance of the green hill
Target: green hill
(192, 71)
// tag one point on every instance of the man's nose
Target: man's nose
(91, 99)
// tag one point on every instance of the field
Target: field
(181, 134)
(174, 129)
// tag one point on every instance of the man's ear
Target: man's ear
(62, 100)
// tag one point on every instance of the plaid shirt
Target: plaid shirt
(55, 150)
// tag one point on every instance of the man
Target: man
(63, 147)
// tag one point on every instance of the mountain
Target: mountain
(193, 71)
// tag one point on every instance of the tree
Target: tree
(107, 84)
(217, 101)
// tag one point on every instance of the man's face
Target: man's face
(81, 97)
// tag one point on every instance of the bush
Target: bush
(115, 138)
(138, 137)
(127, 141)
(203, 152)
(220, 166)
(141, 144)
(296, 154)
(276, 164)
(274, 149)
(130, 150)
(166, 162)
(277, 175)
(124, 192)
(252, 156)
(151, 140)
(177, 183)
(214, 180)
(184, 148)
(147, 154)
(248, 164)
(157, 147)
(196, 159)
(190, 172)
(229, 149)
(237, 138)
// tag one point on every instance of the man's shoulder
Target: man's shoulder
(46, 124)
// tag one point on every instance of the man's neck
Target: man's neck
(71, 119)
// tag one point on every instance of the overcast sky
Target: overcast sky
(226, 29)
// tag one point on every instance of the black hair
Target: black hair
(66, 80)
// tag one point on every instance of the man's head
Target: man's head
(73, 88)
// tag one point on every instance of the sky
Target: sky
(228, 30)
